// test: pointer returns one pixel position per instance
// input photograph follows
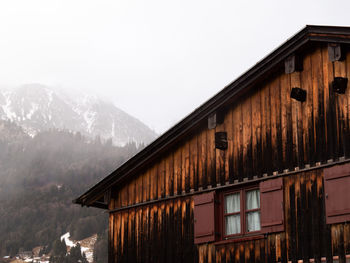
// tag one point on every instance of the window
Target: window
(232, 215)
(241, 212)
(253, 210)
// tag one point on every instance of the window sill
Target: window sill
(240, 239)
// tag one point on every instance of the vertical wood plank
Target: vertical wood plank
(124, 195)
(204, 147)
(279, 142)
(177, 171)
(298, 220)
(131, 236)
(266, 129)
(236, 119)
(147, 234)
(117, 237)
(229, 152)
(330, 109)
(161, 178)
(247, 137)
(292, 222)
(193, 163)
(111, 251)
(154, 182)
(220, 159)
(161, 236)
(284, 119)
(275, 124)
(318, 112)
(307, 111)
(185, 168)
(138, 229)
(154, 240)
(241, 144)
(170, 228)
(211, 161)
(278, 247)
(315, 217)
(138, 188)
(201, 164)
(256, 133)
(287, 213)
(341, 109)
(131, 192)
(347, 108)
(125, 224)
(167, 177)
(325, 81)
(296, 113)
(333, 114)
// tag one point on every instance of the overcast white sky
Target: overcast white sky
(158, 60)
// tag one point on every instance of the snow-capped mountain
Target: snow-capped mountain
(38, 108)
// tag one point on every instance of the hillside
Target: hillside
(39, 177)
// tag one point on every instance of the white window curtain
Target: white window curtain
(232, 203)
(233, 222)
(253, 218)
(253, 221)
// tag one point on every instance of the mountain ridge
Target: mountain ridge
(36, 108)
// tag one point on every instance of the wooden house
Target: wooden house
(258, 173)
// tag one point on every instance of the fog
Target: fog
(157, 60)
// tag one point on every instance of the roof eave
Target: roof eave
(309, 33)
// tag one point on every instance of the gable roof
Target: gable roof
(308, 34)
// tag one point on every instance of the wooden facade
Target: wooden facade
(269, 135)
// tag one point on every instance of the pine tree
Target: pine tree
(59, 251)
(59, 248)
(75, 254)
(84, 259)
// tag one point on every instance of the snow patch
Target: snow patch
(7, 107)
(86, 245)
(33, 109)
(90, 117)
(29, 131)
(113, 129)
(69, 243)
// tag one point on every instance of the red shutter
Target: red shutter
(337, 193)
(204, 218)
(271, 202)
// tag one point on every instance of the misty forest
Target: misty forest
(54, 146)
(39, 177)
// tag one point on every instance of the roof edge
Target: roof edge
(150, 152)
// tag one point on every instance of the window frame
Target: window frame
(224, 215)
(243, 212)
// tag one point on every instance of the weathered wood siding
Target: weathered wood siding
(163, 232)
(154, 233)
(267, 132)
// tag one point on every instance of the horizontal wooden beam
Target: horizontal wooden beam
(236, 183)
